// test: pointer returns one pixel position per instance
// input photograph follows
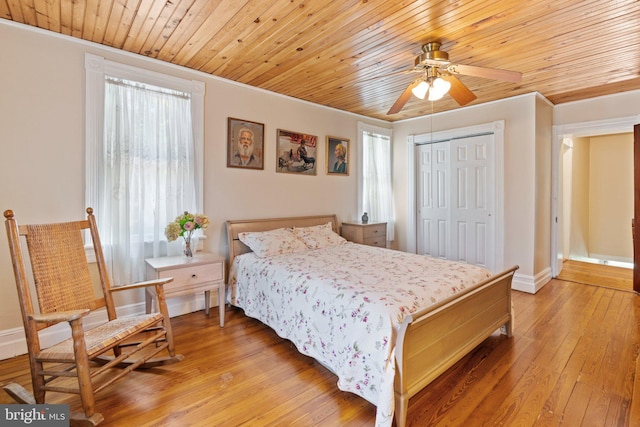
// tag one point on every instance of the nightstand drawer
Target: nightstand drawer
(374, 231)
(193, 275)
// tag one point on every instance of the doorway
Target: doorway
(563, 202)
(597, 195)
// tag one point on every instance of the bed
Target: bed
(380, 330)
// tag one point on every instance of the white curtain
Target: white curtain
(377, 194)
(149, 173)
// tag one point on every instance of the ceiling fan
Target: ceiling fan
(439, 78)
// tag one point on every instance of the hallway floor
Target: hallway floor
(597, 275)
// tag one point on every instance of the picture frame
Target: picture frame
(338, 156)
(296, 152)
(245, 144)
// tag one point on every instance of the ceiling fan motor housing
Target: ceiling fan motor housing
(432, 55)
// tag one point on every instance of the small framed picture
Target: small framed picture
(245, 144)
(296, 152)
(337, 156)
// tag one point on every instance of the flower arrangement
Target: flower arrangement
(184, 225)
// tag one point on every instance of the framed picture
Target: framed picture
(337, 156)
(296, 152)
(245, 144)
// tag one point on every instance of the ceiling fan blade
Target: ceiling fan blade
(402, 100)
(459, 91)
(487, 73)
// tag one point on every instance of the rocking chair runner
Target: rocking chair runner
(65, 293)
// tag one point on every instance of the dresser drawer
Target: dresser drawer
(374, 231)
(380, 241)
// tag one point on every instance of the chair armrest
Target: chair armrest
(61, 316)
(148, 283)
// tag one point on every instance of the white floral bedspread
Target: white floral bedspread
(342, 306)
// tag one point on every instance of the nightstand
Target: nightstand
(372, 233)
(205, 271)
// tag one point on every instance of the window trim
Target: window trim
(364, 127)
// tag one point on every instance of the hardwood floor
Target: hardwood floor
(571, 362)
(597, 275)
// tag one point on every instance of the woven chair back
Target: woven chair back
(60, 268)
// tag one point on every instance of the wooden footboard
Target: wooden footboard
(431, 341)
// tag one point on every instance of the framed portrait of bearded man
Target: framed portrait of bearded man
(245, 144)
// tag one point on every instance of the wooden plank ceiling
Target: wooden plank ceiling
(348, 54)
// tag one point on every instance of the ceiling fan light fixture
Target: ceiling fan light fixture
(438, 88)
(420, 91)
(435, 63)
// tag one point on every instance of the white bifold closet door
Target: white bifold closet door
(456, 200)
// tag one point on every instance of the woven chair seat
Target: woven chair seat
(100, 337)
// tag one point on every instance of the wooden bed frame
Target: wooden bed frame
(432, 340)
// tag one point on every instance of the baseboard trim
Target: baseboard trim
(13, 342)
(531, 284)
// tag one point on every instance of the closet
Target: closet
(456, 198)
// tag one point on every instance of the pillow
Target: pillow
(318, 236)
(272, 242)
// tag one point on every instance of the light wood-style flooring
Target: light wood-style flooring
(597, 275)
(571, 362)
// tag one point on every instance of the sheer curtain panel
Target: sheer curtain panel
(144, 167)
(149, 175)
(377, 193)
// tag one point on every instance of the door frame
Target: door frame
(495, 127)
(581, 129)
(636, 206)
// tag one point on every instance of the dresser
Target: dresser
(371, 233)
(205, 271)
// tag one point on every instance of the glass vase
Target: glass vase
(188, 252)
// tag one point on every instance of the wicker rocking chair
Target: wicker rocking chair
(94, 357)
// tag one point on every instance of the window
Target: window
(144, 160)
(374, 186)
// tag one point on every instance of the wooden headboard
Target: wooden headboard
(236, 247)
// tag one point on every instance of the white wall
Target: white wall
(598, 109)
(42, 162)
(579, 228)
(542, 197)
(611, 197)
